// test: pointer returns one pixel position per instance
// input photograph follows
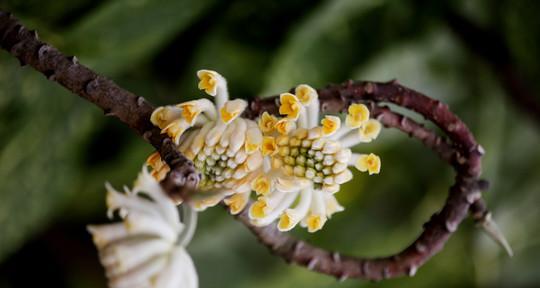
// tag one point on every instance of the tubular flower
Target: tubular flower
(146, 249)
(225, 148)
(305, 163)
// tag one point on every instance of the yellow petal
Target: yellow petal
(175, 129)
(358, 114)
(330, 124)
(290, 106)
(236, 203)
(287, 221)
(370, 163)
(190, 112)
(232, 109)
(269, 146)
(305, 93)
(267, 122)
(258, 209)
(163, 116)
(315, 222)
(261, 185)
(208, 81)
(159, 167)
(284, 126)
(369, 130)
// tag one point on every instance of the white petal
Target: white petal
(126, 254)
(139, 275)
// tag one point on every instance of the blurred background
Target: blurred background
(56, 150)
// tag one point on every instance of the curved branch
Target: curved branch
(460, 150)
(463, 153)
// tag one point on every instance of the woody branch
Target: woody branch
(459, 148)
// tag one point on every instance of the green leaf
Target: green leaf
(119, 34)
(319, 46)
(38, 157)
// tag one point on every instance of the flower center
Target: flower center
(320, 160)
(216, 167)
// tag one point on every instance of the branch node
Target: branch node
(298, 245)
(365, 267)
(43, 51)
(336, 257)
(140, 101)
(91, 86)
(146, 135)
(450, 226)
(312, 263)
(480, 149)
(411, 271)
(421, 248)
(370, 88)
(386, 272)
(73, 59)
(473, 197)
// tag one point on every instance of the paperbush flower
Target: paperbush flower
(295, 163)
(145, 249)
(224, 147)
(306, 161)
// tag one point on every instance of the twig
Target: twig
(460, 150)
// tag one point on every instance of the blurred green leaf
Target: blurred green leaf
(309, 54)
(38, 159)
(120, 34)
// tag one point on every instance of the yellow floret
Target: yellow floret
(330, 124)
(269, 146)
(258, 209)
(267, 122)
(290, 106)
(315, 222)
(284, 126)
(358, 114)
(261, 185)
(305, 93)
(208, 81)
(370, 163)
(236, 203)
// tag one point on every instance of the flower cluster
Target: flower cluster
(146, 249)
(295, 164)
(224, 147)
(306, 161)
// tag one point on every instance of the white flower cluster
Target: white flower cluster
(295, 164)
(306, 162)
(147, 248)
(224, 147)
